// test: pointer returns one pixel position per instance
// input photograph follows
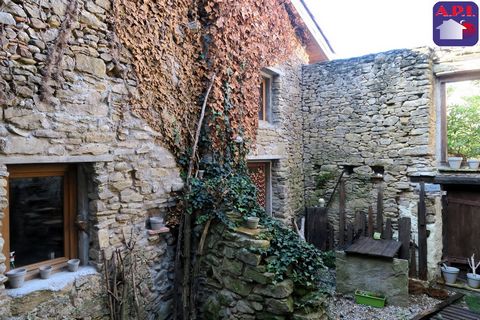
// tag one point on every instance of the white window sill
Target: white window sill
(56, 282)
(266, 125)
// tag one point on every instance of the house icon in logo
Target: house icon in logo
(451, 30)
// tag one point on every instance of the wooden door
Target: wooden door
(258, 174)
(462, 223)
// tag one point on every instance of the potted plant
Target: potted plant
(16, 277)
(473, 279)
(449, 274)
(252, 222)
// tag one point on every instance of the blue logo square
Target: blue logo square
(455, 23)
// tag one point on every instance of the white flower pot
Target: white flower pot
(473, 280)
(73, 264)
(450, 274)
(156, 223)
(45, 271)
(455, 162)
(473, 163)
(252, 222)
(16, 277)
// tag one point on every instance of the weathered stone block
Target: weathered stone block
(279, 306)
(90, 65)
(238, 286)
(386, 277)
(280, 290)
(248, 257)
(233, 267)
(255, 275)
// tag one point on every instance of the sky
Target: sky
(359, 27)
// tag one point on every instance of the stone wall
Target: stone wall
(236, 285)
(380, 114)
(280, 140)
(372, 115)
(388, 277)
(80, 115)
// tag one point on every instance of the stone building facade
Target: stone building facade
(80, 117)
(380, 115)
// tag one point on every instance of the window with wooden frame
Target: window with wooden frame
(265, 111)
(459, 97)
(39, 222)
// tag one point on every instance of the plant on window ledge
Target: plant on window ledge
(463, 130)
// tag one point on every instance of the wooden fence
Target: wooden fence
(320, 231)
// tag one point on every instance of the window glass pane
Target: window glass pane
(463, 119)
(36, 219)
(261, 106)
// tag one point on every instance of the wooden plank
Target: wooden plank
(363, 223)
(370, 222)
(412, 267)
(404, 230)
(316, 221)
(379, 226)
(307, 229)
(388, 229)
(464, 202)
(341, 212)
(422, 234)
(429, 313)
(460, 180)
(322, 236)
(357, 223)
(349, 234)
(377, 248)
(331, 237)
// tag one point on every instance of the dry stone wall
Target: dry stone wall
(371, 115)
(79, 114)
(235, 282)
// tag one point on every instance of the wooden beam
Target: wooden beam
(341, 212)
(388, 230)
(412, 266)
(429, 313)
(379, 227)
(422, 235)
(370, 222)
(404, 230)
(349, 234)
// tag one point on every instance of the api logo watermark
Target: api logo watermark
(455, 23)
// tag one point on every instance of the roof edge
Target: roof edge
(313, 28)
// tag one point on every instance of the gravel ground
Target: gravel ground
(344, 308)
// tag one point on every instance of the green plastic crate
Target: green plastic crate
(369, 299)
